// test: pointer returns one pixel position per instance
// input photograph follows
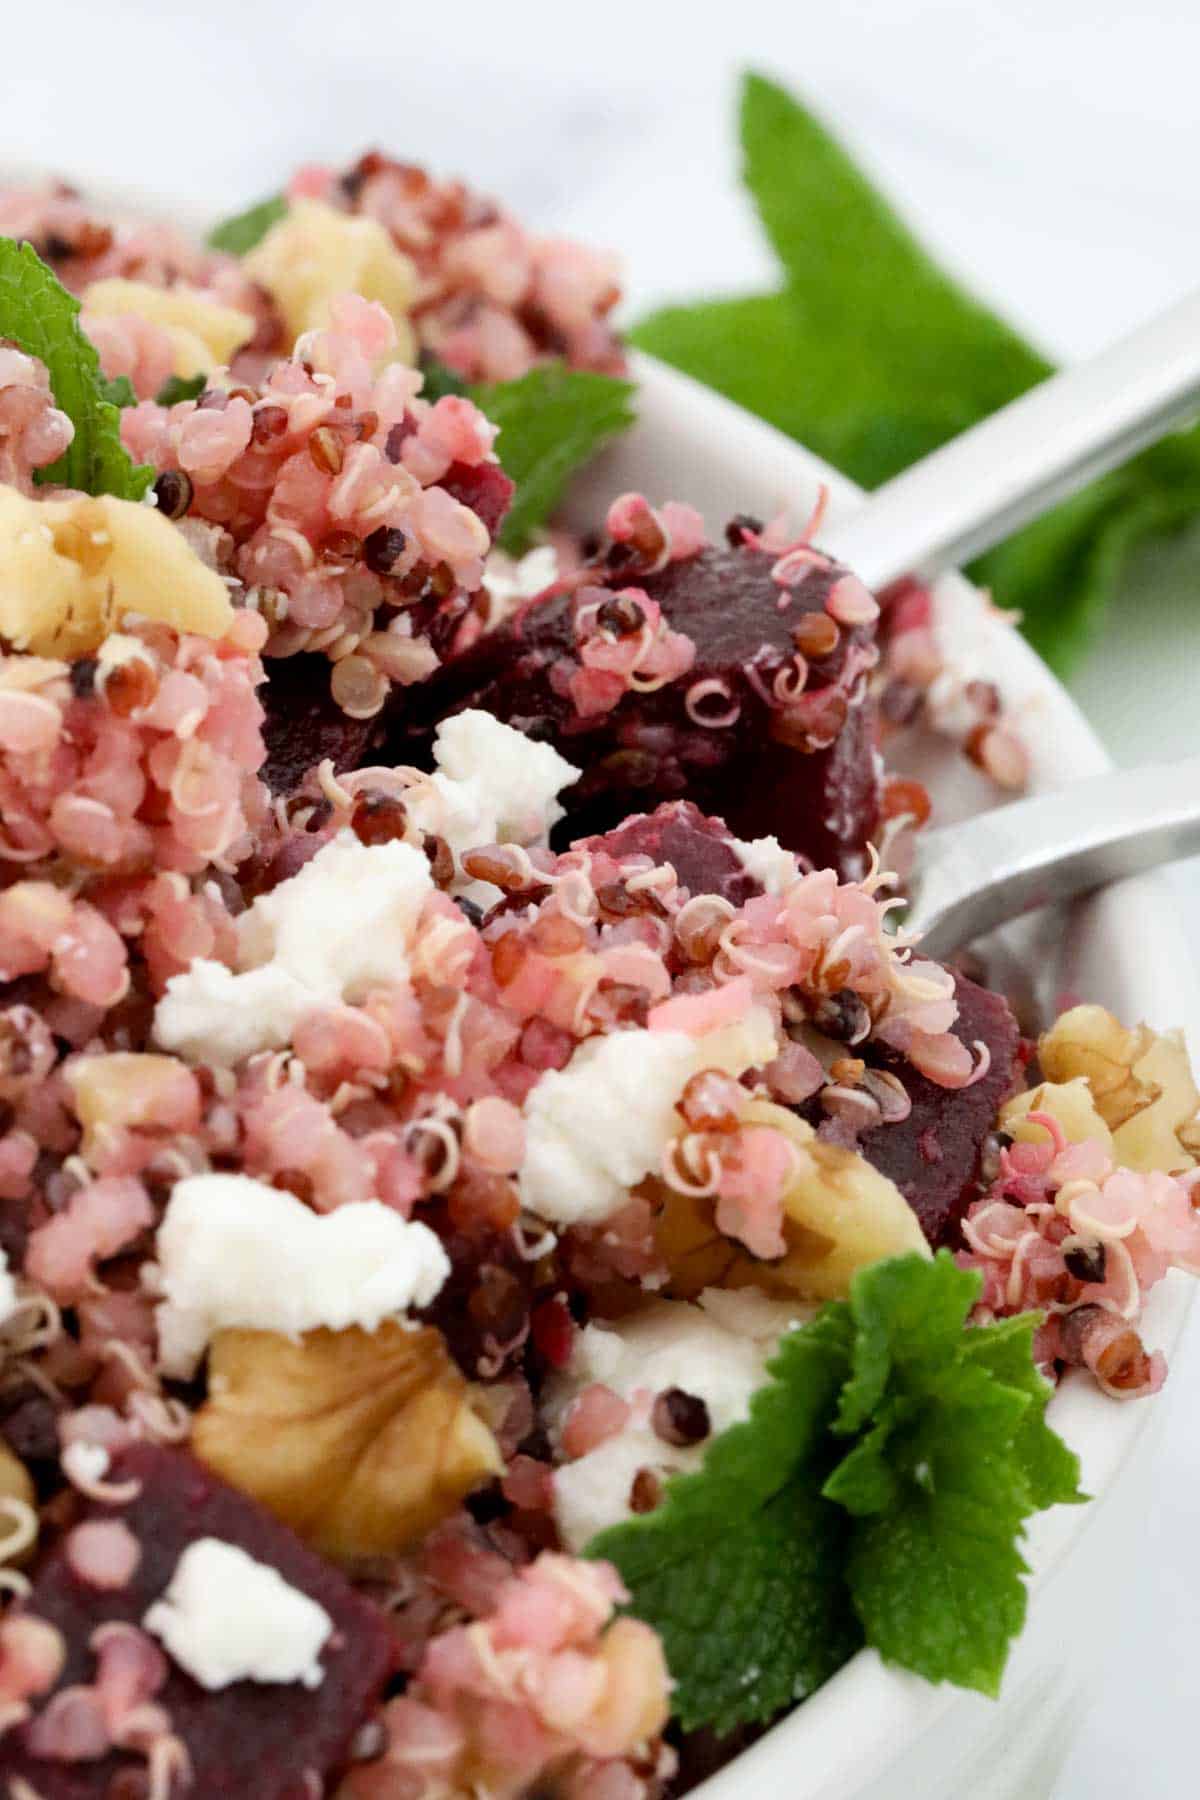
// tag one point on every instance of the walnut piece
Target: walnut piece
(203, 333)
(128, 1090)
(1069, 1103)
(72, 570)
(360, 1441)
(840, 1216)
(1141, 1082)
(315, 253)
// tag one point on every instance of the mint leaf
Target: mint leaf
(1005, 1349)
(909, 1315)
(118, 390)
(239, 234)
(39, 315)
(935, 1574)
(440, 380)
(552, 421)
(738, 1567)
(181, 387)
(887, 334)
(877, 1493)
(873, 356)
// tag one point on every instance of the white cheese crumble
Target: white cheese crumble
(227, 1617)
(511, 582)
(234, 1252)
(596, 1128)
(767, 862)
(492, 785)
(340, 926)
(718, 1355)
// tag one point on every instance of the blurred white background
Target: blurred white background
(1047, 148)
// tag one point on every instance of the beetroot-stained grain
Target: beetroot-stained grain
(699, 850)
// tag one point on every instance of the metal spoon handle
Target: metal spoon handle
(1018, 463)
(1000, 864)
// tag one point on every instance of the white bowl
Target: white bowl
(873, 1733)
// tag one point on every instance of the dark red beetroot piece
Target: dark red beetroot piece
(699, 850)
(934, 1154)
(305, 724)
(255, 1739)
(821, 799)
(484, 487)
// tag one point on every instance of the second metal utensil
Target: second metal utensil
(960, 501)
(997, 865)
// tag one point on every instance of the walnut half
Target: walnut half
(360, 1441)
(1141, 1083)
(840, 1215)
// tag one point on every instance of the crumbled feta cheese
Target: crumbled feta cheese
(342, 925)
(766, 860)
(211, 1015)
(510, 582)
(235, 1252)
(8, 1289)
(492, 785)
(596, 1128)
(227, 1617)
(670, 1344)
(515, 779)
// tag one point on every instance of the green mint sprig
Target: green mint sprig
(181, 387)
(552, 421)
(38, 314)
(871, 355)
(242, 231)
(876, 1494)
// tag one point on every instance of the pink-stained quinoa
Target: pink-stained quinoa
(492, 299)
(1065, 1231)
(352, 520)
(356, 515)
(33, 432)
(547, 1685)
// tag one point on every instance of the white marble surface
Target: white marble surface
(1047, 147)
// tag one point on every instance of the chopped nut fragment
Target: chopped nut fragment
(1141, 1082)
(360, 1441)
(317, 252)
(840, 1215)
(72, 570)
(1069, 1103)
(125, 1090)
(203, 333)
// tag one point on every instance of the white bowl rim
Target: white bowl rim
(847, 1733)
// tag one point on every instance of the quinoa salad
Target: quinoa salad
(513, 1266)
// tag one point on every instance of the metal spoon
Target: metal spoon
(957, 503)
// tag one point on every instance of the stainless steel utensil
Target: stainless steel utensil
(960, 501)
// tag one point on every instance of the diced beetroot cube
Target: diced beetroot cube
(484, 487)
(699, 850)
(304, 723)
(265, 1740)
(760, 771)
(933, 1155)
